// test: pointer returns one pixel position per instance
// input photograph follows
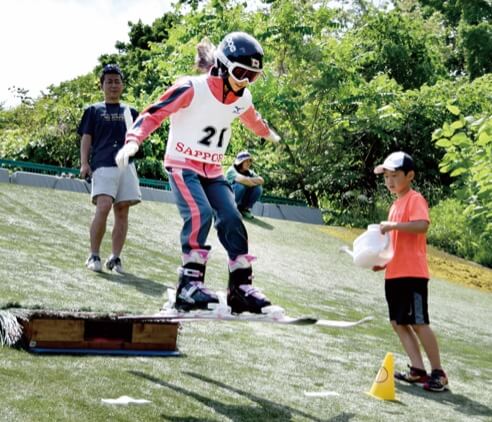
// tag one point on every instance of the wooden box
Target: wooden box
(91, 333)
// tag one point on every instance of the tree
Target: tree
(44, 130)
(400, 46)
(469, 33)
(476, 43)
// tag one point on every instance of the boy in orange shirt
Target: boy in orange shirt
(407, 274)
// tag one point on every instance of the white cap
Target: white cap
(396, 161)
(242, 156)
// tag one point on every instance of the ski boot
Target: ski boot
(241, 295)
(191, 293)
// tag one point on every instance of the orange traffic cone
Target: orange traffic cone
(383, 387)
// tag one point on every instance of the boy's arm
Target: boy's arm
(417, 226)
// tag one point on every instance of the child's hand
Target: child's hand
(387, 226)
(124, 154)
(273, 137)
(378, 268)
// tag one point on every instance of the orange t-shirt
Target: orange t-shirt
(410, 249)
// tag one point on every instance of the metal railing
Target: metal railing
(36, 167)
(15, 165)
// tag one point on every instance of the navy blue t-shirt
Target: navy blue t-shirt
(106, 124)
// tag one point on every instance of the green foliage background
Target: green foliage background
(343, 86)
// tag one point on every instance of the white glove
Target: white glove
(273, 137)
(128, 150)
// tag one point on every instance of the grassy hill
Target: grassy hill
(227, 371)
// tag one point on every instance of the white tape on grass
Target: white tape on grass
(320, 393)
(125, 400)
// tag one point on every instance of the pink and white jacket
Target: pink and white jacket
(200, 114)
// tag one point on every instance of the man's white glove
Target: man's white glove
(128, 150)
(273, 137)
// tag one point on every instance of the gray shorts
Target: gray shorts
(122, 185)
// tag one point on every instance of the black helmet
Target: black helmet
(241, 56)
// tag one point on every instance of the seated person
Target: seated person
(245, 183)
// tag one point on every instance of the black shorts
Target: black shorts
(407, 300)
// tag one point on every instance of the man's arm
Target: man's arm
(85, 147)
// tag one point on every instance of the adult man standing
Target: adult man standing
(103, 129)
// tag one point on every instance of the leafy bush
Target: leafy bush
(151, 168)
(454, 232)
(354, 209)
(468, 146)
(150, 158)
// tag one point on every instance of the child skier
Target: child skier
(201, 110)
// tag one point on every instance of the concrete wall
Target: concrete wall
(278, 211)
(4, 176)
(51, 182)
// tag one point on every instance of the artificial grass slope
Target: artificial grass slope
(229, 371)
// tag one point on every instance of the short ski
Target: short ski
(244, 317)
(212, 315)
(222, 312)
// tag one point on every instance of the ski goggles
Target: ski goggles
(241, 73)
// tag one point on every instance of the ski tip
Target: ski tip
(366, 319)
(342, 324)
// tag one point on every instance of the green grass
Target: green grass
(227, 371)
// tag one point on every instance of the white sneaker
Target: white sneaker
(93, 263)
(113, 263)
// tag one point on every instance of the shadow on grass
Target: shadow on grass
(264, 410)
(459, 402)
(144, 285)
(260, 223)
